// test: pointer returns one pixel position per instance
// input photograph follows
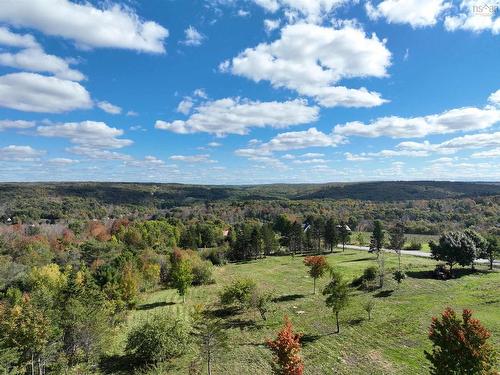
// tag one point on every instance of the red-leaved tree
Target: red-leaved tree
(286, 349)
(318, 266)
(460, 345)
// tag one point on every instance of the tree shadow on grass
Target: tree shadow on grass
(358, 260)
(309, 339)
(356, 322)
(457, 273)
(242, 324)
(383, 294)
(288, 297)
(154, 305)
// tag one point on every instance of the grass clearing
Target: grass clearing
(392, 342)
(421, 238)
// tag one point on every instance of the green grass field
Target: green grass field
(393, 342)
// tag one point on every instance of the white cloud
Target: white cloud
(417, 13)
(109, 108)
(202, 158)
(36, 93)
(86, 133)
(96, 153)
(460, 119)
(113, 25)
(243, 13)
(475, 16)
(271, 25)
(312, 10)
(351, 157)
(132, 113)
(495, 153)
(311, 161)
(8, 38)
(311, 59)
(63, 161)
(36, 60)
(200, 93)
(185, 106)
(237, 116)
(20, 153)
(293, 141)
(494, 98)
(214, 144)
(16, 124)
(312, 155)
(193, 37)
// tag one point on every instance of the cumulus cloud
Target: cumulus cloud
(37, 93)
(20, 153)
(494, 98)
(16, 124)
(185, 106)
(454, 120)
(292, 141)
(417, 13)
(113, 25)
(312, 10)
(109, 108)
(271, 25)
(90, 134)
(311, 59)
(237, 116)
(97, 153)
(63, 161)
(495, 153)
(193, 37)
(351, 157)
(8, 38)
(202, 158)
(475, 16)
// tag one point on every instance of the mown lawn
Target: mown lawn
(393, 342)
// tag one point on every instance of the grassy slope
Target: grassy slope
(391, 343)
(422, 238)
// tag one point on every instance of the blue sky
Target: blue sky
(249, 91)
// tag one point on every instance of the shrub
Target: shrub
(399, 276)
(370, 273)
(159, 339)
(238, 293)
(413, 245)
(218, 256)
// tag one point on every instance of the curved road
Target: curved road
(417, 253)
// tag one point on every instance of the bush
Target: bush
(370, 273)
(218, 256)
(202, 272)
(238, 293)
(413, 245)
(159, 339)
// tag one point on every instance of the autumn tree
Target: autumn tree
(318, 266)
(337, 295)
(460, 346)
(286, 349)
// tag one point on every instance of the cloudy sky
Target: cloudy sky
(249, 91)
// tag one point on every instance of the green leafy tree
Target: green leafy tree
(238, 293)
(318, 266)
(181, 274)
(377, 238)
(159, 339)
(212, 341)
(453, 248)
(397, 237)
(492, 249)
(460, 346)
(261, 301)
(344, 234)
(331, 234)
(368, 306)
(337, 295)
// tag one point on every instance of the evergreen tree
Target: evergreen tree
(331, 234)
(337, 295)
(377, 238)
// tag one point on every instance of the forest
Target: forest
(157, 279)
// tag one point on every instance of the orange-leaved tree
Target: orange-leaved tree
(286, 349)
(460, 345)
(318, 266)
